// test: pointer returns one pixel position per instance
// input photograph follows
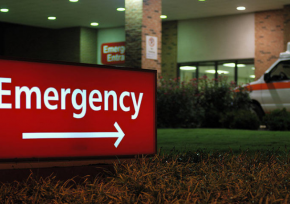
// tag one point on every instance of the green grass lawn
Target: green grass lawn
(222, 140)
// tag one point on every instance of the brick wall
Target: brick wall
(151, 25)
(169, 49)
(286, 11)
(142, 18)
(133, 30)
(269, 39)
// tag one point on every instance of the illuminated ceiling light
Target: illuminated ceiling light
(222, 72)
(94, 24)
(252, 76)
(241, 65)
(51, 18)
(253, 68)
(163, 16)
(233, 65)
(187, 68)
(73, 0)
(4, 10)
(212, 71)
(201, 0)
(241, 8)
(121, 9)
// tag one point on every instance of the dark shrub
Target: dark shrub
(177, 106)
(241, 99)
(215, 98)
(278, 120)
(200, 103)
(241, 119)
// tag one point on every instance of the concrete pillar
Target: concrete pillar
(77, 45)
(169, 49)
(68, 44)
(142, 18)
(88, 45)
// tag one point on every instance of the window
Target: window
(207, 69)
(281, 71)
(239, 71)
(227, 68)
(187, 73)
(245, 72)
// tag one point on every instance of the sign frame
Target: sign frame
(86, 158)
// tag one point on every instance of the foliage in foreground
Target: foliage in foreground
(191, 177)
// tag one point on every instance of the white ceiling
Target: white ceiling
(82, 13)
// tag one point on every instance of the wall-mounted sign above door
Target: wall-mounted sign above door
(113, 53)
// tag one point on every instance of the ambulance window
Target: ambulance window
(281, 72)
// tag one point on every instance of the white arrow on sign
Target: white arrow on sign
(56, 135)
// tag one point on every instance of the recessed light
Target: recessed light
(94, 24)
(4, 10)
(233, 65)
(121, 9)
(201, 0)
(212, 71)
(163, 16)
(73, 0)
(51, 18)
(222, 72)
(241, 8)
(187, 68)
(252, 76)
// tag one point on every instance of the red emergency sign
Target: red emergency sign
(113, 53)
(75, 110)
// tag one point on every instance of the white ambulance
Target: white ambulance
(272, 90)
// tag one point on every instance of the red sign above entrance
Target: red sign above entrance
(65, 111)
(113, 53)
